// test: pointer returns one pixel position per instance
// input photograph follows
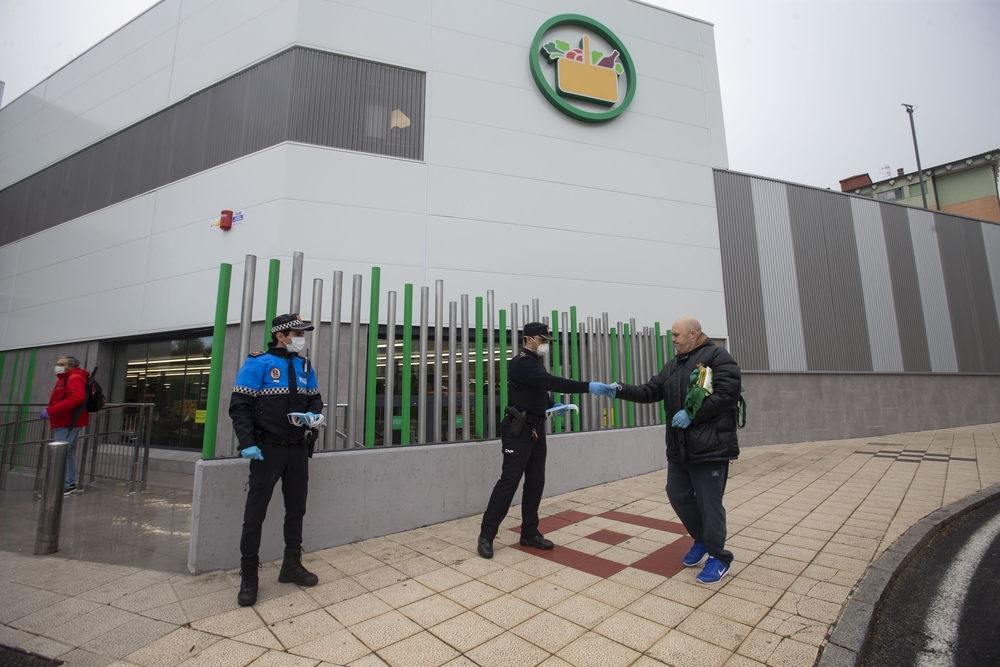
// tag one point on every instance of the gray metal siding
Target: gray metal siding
(873, 260)
(970, 294)
(991, 245)
(819, 321)
(741, 271)
(299, 95)
(905, 289)
(786, 347)
(933, 296)
(846, 292)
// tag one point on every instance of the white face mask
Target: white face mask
(542, 349)
(60, 370)
(295, 344)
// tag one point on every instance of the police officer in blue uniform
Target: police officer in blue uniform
(274, 407)
(522, 435)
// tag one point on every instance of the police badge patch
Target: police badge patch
(275, 374)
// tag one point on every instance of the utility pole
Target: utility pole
(920, 171)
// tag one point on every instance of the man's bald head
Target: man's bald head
(686, 334)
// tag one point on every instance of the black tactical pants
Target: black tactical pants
(290, 464)
(522, 455)
(695, 492)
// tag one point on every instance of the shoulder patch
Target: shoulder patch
(257, 353)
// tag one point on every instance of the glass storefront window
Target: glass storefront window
(171, 374)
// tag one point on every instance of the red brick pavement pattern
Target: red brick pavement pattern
(665, 561)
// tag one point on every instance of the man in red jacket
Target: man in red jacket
(69, 394)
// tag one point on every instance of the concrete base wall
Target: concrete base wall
(359, 494)
(807, 407)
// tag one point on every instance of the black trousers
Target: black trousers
(695, 492)
(290, 464)
(522, 455)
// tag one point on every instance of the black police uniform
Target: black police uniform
(528, 384)
(270, 385)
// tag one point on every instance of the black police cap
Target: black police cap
(537, 330)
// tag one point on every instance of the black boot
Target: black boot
(292, 571)
(248, 581)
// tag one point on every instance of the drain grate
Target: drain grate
(16, 657)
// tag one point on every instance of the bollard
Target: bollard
(50, 512)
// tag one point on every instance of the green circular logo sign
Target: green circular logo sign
(586, 75)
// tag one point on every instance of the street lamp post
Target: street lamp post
(920, 171)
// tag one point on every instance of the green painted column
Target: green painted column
(480, 417)
(557, 422)
(13, 383)
(215, 368)
(627, 341)
(407, 391)
(574, 347)
(271, 307)
(670, 345)
(502, 320)
(615, 377)
(29, 380)
(372, 359)
(659, 365)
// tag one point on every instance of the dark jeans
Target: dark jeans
(522, 455)
(290, 464)
(695, 492)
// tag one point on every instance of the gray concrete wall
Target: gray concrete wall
(359, 494)
(806, 407)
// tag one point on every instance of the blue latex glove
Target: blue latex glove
(252, 453)
(559, 409)
(599, 388)
(681, 420)
(613, 391)
(44, 415)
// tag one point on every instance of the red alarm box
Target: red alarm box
(226, 221)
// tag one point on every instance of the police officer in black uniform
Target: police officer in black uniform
(522, 434)
(274, 407)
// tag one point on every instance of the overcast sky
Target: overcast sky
(811, 90)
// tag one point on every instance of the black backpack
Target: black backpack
(95, 398)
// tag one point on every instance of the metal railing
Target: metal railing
(114, 445)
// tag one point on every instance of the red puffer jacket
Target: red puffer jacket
(69, 392)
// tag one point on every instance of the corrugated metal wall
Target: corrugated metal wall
(299, 95)
(823, 281)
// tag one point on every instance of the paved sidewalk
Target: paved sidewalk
(805, 521)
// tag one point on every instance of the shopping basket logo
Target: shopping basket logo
(586, 63)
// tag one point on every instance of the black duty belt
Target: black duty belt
(268, 440)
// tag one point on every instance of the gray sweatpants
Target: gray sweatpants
(695, 492)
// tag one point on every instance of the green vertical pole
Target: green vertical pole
(503, 359)
(215, 367)
(271, 308)
(404, 432)
(659, 365)
(480, 418)
(557, 422)
(627, 341)
(28, 381)
(615, 377)
(574, 347)
(670, 345)
(13, 382)
(372, 359)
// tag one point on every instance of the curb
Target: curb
(847, 639)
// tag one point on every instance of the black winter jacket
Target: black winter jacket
(712, 433)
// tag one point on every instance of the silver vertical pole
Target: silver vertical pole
(425, 297)
(330, 437)
(606, 365)
(596, 401)
(50, 512)
(547, 360)
(525, 314)
(296, 300)
(491, 363)
(648, 349)
(246, 321)
(636, 373)
(390, 369)
(466, 411)
(515, 339)
(452, 369)
(315, 352)
(438, 361)
(353, 413)
(534, 310)
(640, 350)
(567, 398)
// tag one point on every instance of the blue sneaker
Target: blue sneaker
(713, 571)
(693, 557)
